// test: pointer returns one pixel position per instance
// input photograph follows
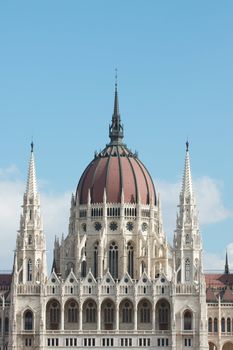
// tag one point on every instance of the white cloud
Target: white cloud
(209, 200)
(216, 261)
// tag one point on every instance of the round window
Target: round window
(129, 226)
(97, 226)
(113, 226)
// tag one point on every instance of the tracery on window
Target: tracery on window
(113, 260)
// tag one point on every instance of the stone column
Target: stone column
(62, 316)
(99, 316)
(117, 316)
(153, 316)
(135, 316)
(81, 316)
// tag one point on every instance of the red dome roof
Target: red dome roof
(116, 168)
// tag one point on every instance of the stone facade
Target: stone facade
(116, 281)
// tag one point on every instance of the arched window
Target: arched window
(96, 260)
(145, 313)
(91, 312)
(54, 313)
(164, 315)
(6, 328)
(210, 324)
(223, 325)
(29, 270)
(215, 325)
(187, 270)
(228, 325)
(130, 254)
(108, 313)
(127, 312)
(28, 321)
(83, 268)
(187, 320)
(113, 260)
(72, 312)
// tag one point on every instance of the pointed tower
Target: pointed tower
(31, 246)
(226, 270)
(188, 267)
(116, 130)
(187, 240)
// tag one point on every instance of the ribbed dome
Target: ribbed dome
(116, 169)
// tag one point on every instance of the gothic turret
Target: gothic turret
(187, 241)
(31, 246)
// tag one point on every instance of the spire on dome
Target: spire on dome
(187, 188)
(226, 271)
(31, 189)
(116, 131)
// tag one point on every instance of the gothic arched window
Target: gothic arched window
(127, 312)
(6, 326)
(164, 315)
(215, 325)
(187, 320)
(187, 269)
(29, 270)
(72, 312)
(210, 324)
(113, 260)
(54, 313)
(228, 325)
(145, 312)
(130, 254)
(96, 260)
(108, 313)
(91, 312)
(223, 328)
(28, 321)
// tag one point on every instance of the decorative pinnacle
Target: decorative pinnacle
(187, 179)
(116, 131)
(31, 189)
(227, 271)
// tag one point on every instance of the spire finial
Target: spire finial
(115, 79)
(226, 265)
(187, 179)
(116, 132)
(31, 182)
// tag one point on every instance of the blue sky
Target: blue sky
(175, 73)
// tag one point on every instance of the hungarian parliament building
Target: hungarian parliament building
(116, 281)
